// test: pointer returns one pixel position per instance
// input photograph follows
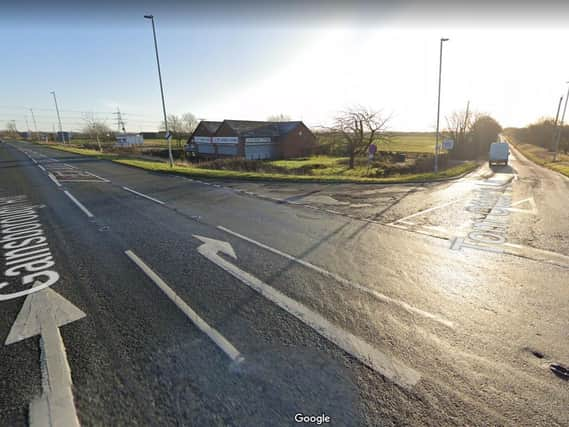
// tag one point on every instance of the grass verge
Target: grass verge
(194, 172)
(540, 156)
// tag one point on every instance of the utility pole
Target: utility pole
(58, 117)
(560, 127)
(35, 123)
(120, 121)
(168, 136)
(439, 106)
(27, 125)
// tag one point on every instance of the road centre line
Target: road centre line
(79, 204)
(54, 179)
(365, 289)
(144, 195)
(212, 333)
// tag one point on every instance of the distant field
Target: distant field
(415, 143)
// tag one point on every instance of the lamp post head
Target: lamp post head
(149, 16)
(444, 40)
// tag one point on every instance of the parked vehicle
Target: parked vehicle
(499, 153)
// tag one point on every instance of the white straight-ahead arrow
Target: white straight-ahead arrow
(386, 365)
(42, 314)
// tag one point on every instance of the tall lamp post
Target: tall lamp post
(168, 136)
(439, 106)
(560, 128)
(58, 116)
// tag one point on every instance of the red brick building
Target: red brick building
(252, 139)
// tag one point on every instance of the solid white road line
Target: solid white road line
(54, 179)
(144, 195)
(362, 288)
(212, 333)
(41, 167)
(79, 204)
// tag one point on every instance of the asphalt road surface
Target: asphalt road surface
(133, 298)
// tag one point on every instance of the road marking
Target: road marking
(97, 176)
(54, 179)
(530, 200)
(79, 204)
(326, 273)
(212, 333)
(380, 362)
(41, 167)
(43, 313)
(425, 211)
(144, 195)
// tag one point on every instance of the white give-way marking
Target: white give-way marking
(386, 365)
(212, 333)
(79, 204)
(144, 195)
(43, 313)
(403, 220)
(362, 288)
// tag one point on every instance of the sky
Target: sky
(223, 61)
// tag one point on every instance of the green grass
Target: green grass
(323, 169)
(257, 176)
(412, 143)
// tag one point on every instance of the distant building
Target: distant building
(251, 139)
(128, 139)
(63, 136)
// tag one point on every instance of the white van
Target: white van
(499, 153)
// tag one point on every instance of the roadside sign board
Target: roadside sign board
(448, 144)
(372, 149)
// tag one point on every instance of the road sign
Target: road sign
(168, 135)
(448, 144)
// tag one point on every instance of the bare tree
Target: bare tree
(11, 129)
(190, 122)
(279, 118)
(359, 127)
(95, 128)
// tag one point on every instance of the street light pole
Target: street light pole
(560, 127)
(171, 159)
(58, 116)
(439, 106)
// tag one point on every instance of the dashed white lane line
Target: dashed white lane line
(41, 167)
(54, 179)
(377, 295)
(79, 204)
(212, 333)
(144, 195)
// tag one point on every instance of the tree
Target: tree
(459, 124)
(279, 118)
(11, 129)
(95, 128)
(190, 122)
(485, 130)
(359, 127)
